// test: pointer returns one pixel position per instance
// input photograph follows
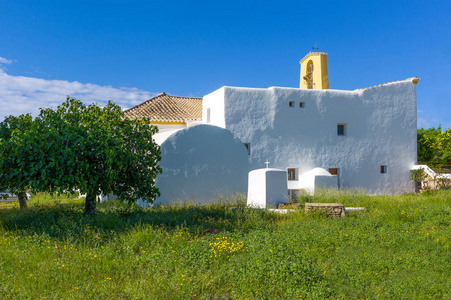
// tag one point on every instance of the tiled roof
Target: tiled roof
(167, 108)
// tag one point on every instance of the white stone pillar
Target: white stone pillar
(267, 188)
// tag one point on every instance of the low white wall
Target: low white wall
(431, 172)
(199, 162)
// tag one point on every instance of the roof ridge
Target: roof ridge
(145, 101)
(184, 97)
(159, 95)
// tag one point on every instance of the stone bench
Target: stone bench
(331, 209)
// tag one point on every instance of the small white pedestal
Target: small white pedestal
(267, 188)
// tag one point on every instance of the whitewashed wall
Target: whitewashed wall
(380, 130)
(211, 105)
(169, 127)
(199, 162)
(172, 127)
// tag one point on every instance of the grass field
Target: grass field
(398, 248)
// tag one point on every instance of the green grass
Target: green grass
(45, 199)
(398, 248)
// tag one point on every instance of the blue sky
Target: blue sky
(131, 50)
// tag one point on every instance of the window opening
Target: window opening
(341, 129)
(333, 171)
(291, 174)
(208, 115)
(291, 103)
(309, 75)
(302, 104)
(383, 169)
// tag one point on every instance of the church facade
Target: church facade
(365, 138)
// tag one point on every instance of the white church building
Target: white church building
(365, 138)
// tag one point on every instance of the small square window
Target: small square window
(333, 171)
(341, 129)
(291, 103)
(291, 174)
(383, 169)
(302, 104)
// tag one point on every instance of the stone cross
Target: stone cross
(267, 164)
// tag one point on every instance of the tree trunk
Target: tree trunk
(90, 204)
(22, 200)
(417, 187)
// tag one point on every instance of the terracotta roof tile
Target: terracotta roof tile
(164, 107)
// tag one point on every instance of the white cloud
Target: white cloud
(431, 119)
(20, 95)
(5, 61)
(425, 123)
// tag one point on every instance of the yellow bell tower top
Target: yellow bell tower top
(314, 71)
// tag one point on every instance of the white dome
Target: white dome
(317, 171)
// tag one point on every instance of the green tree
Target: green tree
(13, 170)
(425, 139)
(89, 148)
(442, 144)
(434, 146)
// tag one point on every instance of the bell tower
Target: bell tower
(314, 71)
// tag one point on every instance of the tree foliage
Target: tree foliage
(434, 146)
(90, 148)
(13, 171)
